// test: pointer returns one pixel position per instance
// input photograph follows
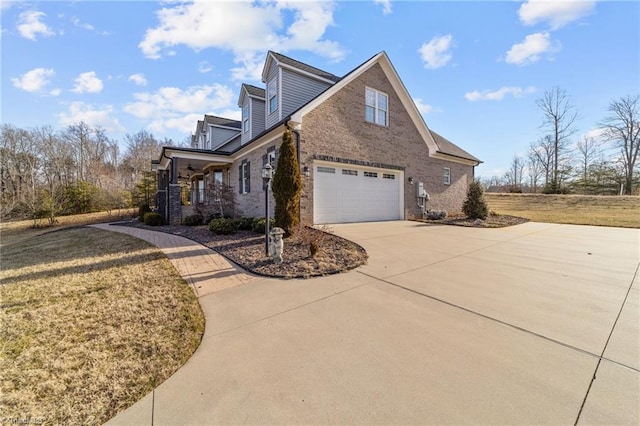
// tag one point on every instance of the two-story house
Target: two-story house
(362, 145)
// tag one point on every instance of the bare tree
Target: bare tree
(514, 175)
(588, 151)
(543, 152)
(559, 116)
(535, 170)
(622, 127)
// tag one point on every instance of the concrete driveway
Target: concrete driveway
(535, 323)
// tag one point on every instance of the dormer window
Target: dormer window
(272, 95)
(245, 118)
(377, 107)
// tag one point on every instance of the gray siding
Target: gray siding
(218, 136)
(257, 117)
(275, 117)
(297, 90)
(246, 136)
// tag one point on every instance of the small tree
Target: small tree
(475, 206)
(287, 185)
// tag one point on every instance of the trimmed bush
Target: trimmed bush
(215, 215)
(287, 185)
(222, 226)
(244, 223)
(436, 214)
(142, 209)
(259, 224)
(193, 220)
(152, 219)
(475, 206)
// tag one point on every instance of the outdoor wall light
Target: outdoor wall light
(410, 181)
(305, 171)
(267, 175)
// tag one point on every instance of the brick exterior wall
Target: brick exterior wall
(337, 128)
(252, 204)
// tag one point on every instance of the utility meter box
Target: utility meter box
(421, 192)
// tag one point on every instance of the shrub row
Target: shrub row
(226, 226)
(152, 219)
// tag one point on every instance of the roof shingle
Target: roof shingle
(304, 67)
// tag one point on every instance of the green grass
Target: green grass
(91, 322)
(619, 211)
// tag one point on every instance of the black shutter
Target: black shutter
(247, 168)
(240, 176)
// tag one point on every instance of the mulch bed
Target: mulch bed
(492, 221)
(247, 249)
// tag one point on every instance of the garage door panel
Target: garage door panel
(351, 194)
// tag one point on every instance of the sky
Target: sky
(474, 69)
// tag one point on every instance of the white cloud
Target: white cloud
(386, 6)
(55, 92)
(244, 28)
(531, 49)
(204, 67)
(6, 4)
(138, 79)
(422, 107)
(175, 108)
(498, 95)
(30, 25)
(93, 116)
(435, 53)
(596, 133)
(76, 21)
(88, 82)
(557, 13)
(34, 80)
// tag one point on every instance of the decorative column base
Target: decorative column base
(175, 204)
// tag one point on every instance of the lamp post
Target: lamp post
(267, 174)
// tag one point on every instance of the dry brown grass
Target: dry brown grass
(14, 231)
(91, 321)
(573, 209)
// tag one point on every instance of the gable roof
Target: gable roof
(221, 121)
(448, 151)
(254, 91)
(293, 63)
(251, 91)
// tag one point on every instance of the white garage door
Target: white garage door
(345, 193)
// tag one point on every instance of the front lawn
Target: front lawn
(91, 322)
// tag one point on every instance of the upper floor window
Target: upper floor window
(272, 95)
(245, 118)
(377, 107)
(446, 179)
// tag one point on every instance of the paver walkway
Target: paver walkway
(531, 324)
(204, 270)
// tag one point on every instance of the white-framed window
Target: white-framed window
(218, 177)
(376, 107)
(244, 178)
(446, 177)
(245, 118)
(272, 95)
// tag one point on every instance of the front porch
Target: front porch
(192, 181)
